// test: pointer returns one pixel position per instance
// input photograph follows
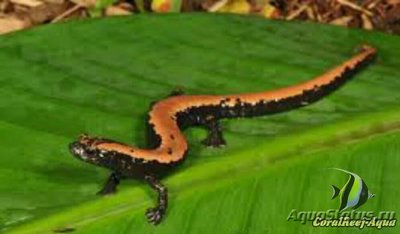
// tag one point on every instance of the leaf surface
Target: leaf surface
(100, 76)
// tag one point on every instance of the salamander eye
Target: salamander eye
(83, 137)
(89, 142)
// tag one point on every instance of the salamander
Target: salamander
(168, 117)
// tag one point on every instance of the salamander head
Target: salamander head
(107, 153)
(85, 149)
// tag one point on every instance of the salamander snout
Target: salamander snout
(78, 150)
(83, 152)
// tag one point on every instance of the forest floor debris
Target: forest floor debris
(382, 15)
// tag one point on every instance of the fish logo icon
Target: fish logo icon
(354, 193)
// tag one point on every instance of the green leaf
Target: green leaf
(100, 76)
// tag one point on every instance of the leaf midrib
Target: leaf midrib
(236, 165)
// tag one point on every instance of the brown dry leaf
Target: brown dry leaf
(126, 6)
(217, 5)
(10, 24)
(342, 21)
(367, 24)
(297, 12)
(27, 3)
(393, 2)
(66, 13)
(393, 15)
(372, 4)
(317, 14)
(310, 13)
(45, 12)
(114, 10)
(355, 7)
(85, 3)
(54, 1)
(194, 5)
(5, 6)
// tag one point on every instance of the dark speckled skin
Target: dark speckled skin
(124, 166)
(167, 147)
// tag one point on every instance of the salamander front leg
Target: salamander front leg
(111, 184)
(155, 214)
(214, 138)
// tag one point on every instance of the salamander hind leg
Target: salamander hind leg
(214, 137)
(155, 214)
(111, 184)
